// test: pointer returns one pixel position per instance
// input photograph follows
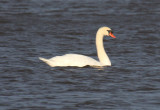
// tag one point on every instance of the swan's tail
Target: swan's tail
(43, 59)
(49, 62)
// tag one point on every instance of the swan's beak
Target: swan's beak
(111, 34)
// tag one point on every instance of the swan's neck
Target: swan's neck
(103, 58)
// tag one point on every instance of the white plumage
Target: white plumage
(76, 59)
(82, 60)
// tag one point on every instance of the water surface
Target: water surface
(30, 29)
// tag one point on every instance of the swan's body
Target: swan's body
(81, 60)
(71, 60)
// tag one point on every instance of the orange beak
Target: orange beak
(111, 34)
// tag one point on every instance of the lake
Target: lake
(46, 28)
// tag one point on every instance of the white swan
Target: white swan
(81, 60)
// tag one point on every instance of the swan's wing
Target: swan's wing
(73, 60)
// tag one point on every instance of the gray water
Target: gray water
(45, 28)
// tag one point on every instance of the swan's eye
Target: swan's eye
(110, 31)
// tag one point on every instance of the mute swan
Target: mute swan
(81, 60)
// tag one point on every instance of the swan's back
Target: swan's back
(71, 60)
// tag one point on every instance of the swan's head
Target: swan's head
(106, 31)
